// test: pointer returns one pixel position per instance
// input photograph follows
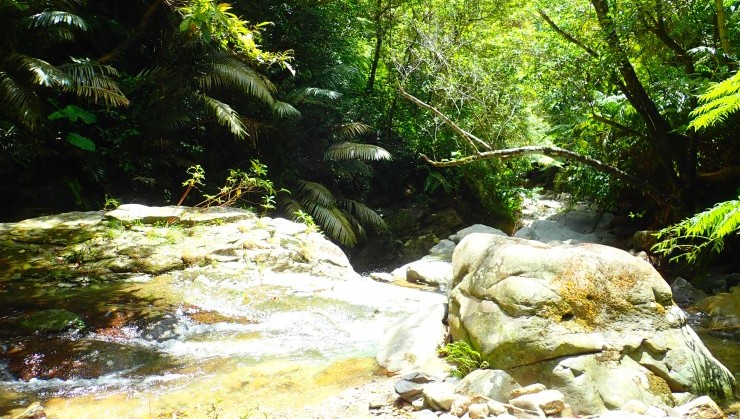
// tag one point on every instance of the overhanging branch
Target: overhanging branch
(551, 151)
(470, 138)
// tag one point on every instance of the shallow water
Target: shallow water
(192, 344)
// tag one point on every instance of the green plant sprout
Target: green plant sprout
(465, 358)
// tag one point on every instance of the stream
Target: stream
(185, 344)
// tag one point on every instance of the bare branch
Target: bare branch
(552, 151)
(470, 138)
(570, 38)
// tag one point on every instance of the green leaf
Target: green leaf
(80, 141)
(72, 113)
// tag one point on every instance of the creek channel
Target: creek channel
(175, 344)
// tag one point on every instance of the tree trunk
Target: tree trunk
(724, 41)
(378, 46)
(670, 148)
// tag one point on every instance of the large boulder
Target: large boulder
(578, 318)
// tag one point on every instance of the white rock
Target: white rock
(423, 414)
(496, 408)
(440, 396)
(478, 411)
(700, 408)
(656, 412)
(412, 342)
(530, 389)
(549, 401)
(430, 272)
(381, 277)
(475, 228)
(635, 406)
(492, 384)
(460, 406)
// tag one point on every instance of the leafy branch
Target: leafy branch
(708, 229)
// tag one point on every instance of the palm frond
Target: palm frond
(348, 150)
(20, 100)
(312, 192)
(363, 213)
(334, 223)
(51, 18)
(309, 94)
(285, 110)
(290, 206)
(93, 81)
(721, 100)
(43, 73)
(351, 130)
(229, 72)
(225, 115)
(353, 168)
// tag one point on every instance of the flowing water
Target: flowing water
(194, 344)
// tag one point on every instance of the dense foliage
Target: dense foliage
(118, 100)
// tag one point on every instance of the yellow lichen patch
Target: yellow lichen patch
(587, 300)
(660, 388)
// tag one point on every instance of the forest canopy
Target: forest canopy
(340, 99)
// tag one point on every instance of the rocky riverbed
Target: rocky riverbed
(154, 312)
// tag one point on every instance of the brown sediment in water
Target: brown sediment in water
(276, 387)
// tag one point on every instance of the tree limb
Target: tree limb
(568, 36)
(552, 151)
(615, 124)
(640, 184)
(470, 138)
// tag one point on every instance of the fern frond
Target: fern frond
(348, 150)
(225, 115)
(721, 100)
(364, 214)
(351, 130)
(285, 110)
(54, 17)
(689, 238)
(315, 192)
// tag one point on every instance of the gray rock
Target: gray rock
(572, 227)
(430, 272)
(475, 228)
(412, 342)
(443, 250)
(410, 386)
(685, 293)
(493, 384)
